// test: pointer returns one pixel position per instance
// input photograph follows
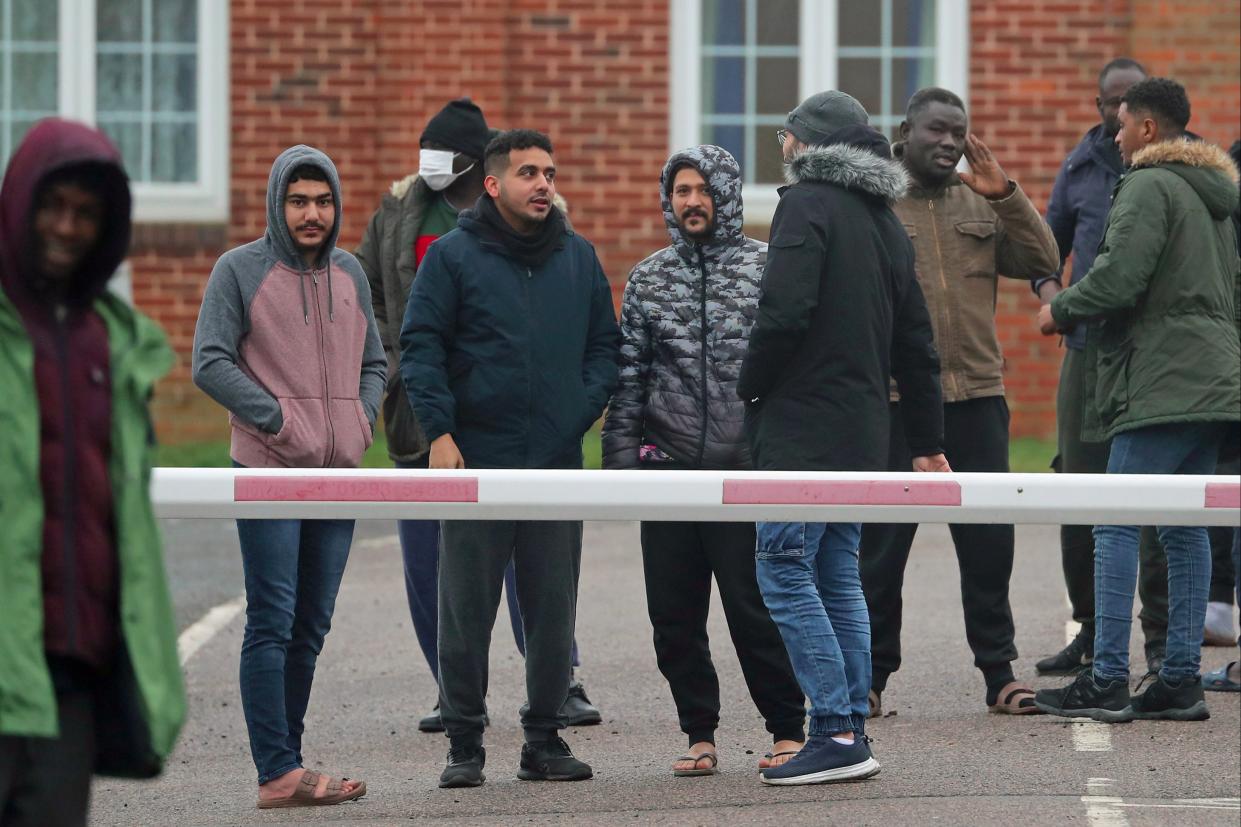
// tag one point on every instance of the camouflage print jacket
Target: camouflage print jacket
(685, 325)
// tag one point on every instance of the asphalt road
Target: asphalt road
(945, 759)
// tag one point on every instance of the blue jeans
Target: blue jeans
(420, 551)
(1181, 448)
(808, 576)
(292, 571)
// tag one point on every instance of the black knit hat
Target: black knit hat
(459, 126)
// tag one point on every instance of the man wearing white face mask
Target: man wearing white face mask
(414, 212)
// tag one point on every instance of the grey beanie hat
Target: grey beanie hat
(820, 115)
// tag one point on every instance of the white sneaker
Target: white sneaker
(1218, 630)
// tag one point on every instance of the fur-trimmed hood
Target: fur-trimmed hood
(850, 167)
(1204, 166)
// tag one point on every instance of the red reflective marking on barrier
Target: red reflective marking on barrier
(356, 489)
(1223, 495)
(840, 492)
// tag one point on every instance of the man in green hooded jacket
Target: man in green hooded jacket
(1163, 381)
(89, 677)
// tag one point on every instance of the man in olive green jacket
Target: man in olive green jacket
(89, 677)
(1163, 381)
(968, 229)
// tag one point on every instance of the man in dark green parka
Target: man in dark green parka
(1163, 381)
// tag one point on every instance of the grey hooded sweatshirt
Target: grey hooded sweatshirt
(685, 324)
(292, 353)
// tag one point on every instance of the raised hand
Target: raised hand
(985, 177)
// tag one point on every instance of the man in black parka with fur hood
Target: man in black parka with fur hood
(840, 313)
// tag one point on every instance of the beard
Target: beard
(698, 236)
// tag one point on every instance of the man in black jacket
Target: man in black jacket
(508, 354)
(840, 313)
(685, 320)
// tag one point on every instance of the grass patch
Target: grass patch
(1030, 455)
(1026, 455)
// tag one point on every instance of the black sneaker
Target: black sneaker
(1162, 700)
(551, 760)
(465, 767)
(823, 760)
(577, 709)
(1084, 698)
(431, 722)
(1072, 659)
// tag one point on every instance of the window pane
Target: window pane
(861, 78)
(723, 22)
(118, 83)
(176, 21)
(34, 82)
(858, 22)
(777, 84)
(147, 85)
(777, 22)
(127, 135)
(175, 83)
(913, 22)
(723, 85)
(731, 138)
(118, 20)
(173, 152)
(768, 158)
(908, 76)
(34, 20)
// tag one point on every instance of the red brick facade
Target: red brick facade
(359, 79)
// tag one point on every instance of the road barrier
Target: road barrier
(721, 496)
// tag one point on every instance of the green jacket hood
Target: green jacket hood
(1203, 166)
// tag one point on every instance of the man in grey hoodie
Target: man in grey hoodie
(286, 341)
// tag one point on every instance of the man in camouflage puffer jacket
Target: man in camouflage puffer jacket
(685, 326)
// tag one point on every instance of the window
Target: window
(151, 73)
(739, 66)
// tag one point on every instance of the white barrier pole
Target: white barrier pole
(721, 496)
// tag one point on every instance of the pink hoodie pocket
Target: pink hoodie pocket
(351, 432)
(302, 441)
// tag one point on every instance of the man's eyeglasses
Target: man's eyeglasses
(782, 136)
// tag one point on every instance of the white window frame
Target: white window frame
(206, 200)
(817, 71)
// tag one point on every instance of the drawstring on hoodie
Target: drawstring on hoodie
(301, 282)
(331, 306)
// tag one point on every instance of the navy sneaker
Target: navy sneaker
(465, 767)
(1084, 698)
(1162, 700)
(823, 760)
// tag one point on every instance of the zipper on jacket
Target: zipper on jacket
(945, 326)
(529, 369)
(68, 523)
(702, 433)
(327, 392)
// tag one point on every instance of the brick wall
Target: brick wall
(1033, 79)
(359, 79)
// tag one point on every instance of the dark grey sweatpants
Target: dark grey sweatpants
(473, 555)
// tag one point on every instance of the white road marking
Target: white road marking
(1071, 628)
(217, 617)
(1091, 736)
(1103, 810)
(1088, 736)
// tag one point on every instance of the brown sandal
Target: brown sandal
(697, 770)
(304, 795)
(1015, 699)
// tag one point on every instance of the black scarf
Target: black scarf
(530, 250)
